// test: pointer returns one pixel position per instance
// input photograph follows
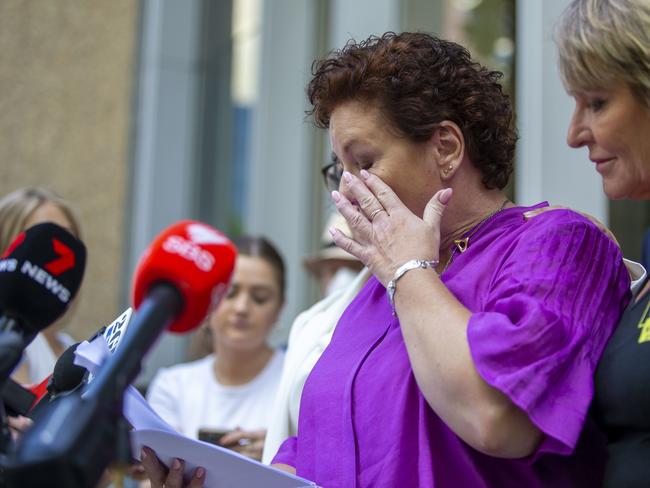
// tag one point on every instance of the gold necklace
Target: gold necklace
(463, 243)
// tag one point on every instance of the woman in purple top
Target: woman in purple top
(476, 368)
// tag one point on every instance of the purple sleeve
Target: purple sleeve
(287, 452)
(548, 315)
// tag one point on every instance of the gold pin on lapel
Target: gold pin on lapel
(461, 244)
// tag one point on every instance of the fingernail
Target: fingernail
(445, 196)
(364, 174)
(347, 177)
(176, 465)
(528, 214)
(143, 454)
(336, 196)
(332, 231)
(200, 472)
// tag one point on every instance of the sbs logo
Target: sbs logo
(190, 251)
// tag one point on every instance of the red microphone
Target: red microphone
(197, 260)
(184, 272)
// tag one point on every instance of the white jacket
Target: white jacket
(310, 334)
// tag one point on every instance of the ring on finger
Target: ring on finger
(374, 213)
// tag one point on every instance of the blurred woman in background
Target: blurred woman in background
(226, 397)
(20, 210)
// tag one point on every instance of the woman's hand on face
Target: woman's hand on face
(160, 476)
(248, 443)
(385, 233)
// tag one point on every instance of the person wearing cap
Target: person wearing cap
(333, 267)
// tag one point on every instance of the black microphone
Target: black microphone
(40, 274)
(67, 376)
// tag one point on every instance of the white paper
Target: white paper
(91, 355)
(224, 468)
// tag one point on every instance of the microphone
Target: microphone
(40, 274)
(184, 272)
(193, 258)
(67, 376)
(114, 332)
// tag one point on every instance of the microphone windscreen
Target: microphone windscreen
(66, 375)
(40, 273)
(194, 258)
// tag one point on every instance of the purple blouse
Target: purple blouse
(545, 296)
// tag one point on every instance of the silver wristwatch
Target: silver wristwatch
(401, 271)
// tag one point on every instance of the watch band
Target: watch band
(401, 271)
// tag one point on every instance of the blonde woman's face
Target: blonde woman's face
(48, 212)
(614, 125)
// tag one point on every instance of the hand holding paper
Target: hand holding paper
(223, 468)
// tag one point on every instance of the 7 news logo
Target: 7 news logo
(45, 275)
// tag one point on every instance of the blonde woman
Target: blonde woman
(604, 55)
(20, 210)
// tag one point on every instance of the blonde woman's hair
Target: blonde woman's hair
(605, 42)
(18, 206)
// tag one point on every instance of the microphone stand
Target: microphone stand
(73, 441)
(12, 344)
(6, 443)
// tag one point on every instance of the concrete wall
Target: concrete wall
(66, 71)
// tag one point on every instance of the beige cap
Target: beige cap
(329, 251)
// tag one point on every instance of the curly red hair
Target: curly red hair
(417, 81)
